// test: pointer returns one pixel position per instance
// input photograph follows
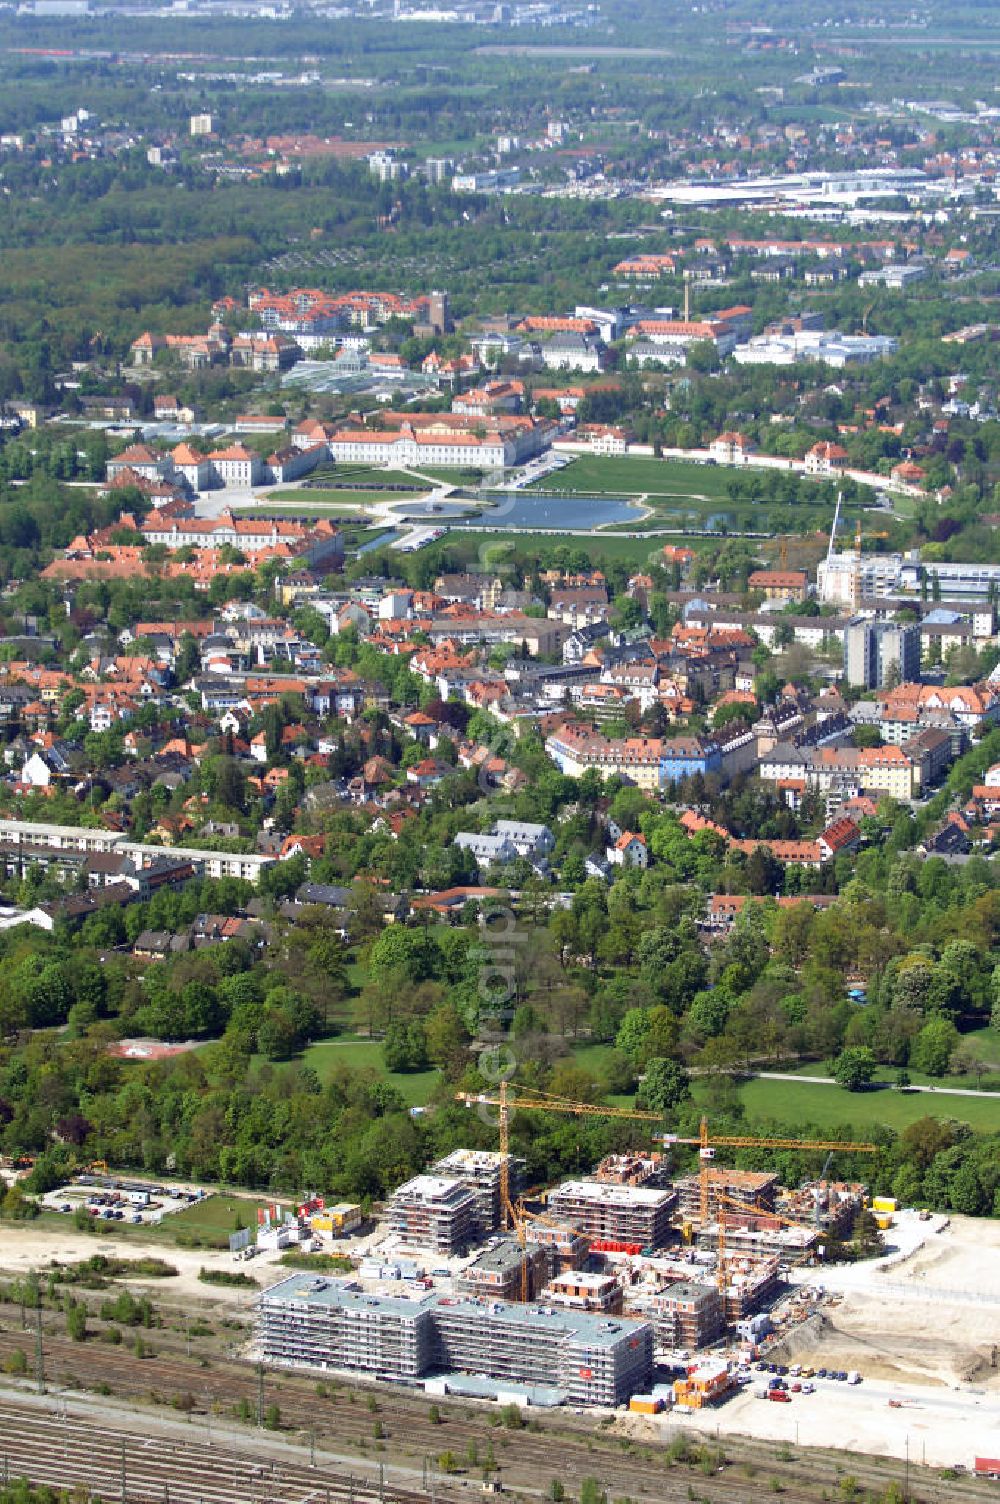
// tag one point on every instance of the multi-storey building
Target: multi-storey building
(325, 1323)
(750, 1188)
(434, 1212)
(594, 1360)
(687, 1314)
(504, 1269)
(876, 652)
(479, 1170)
(615, 1213)
(581, 1290)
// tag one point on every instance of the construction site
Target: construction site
(621, 1285)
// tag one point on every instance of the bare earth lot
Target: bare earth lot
(924, 1333)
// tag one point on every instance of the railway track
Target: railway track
(65, 1449)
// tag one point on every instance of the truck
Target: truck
(761, 1392)
(780, 1395)
(854, 1377)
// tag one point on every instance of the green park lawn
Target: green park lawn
(602, 548)
(213, 1219)
(593, 475)
(831, 1108)
(415, 1087)
(320, 503)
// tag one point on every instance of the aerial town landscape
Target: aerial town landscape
(499, 751)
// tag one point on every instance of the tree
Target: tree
(854, 1068)
(76, 1321)
(16, 1206)
(230, 783)
(665, 1085)
(933, 1047)
(405, 1046)
(447, 1039)
(764, 872)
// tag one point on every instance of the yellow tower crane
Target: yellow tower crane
(540, 1101)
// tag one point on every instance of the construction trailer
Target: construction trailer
(332, 1324)
(340, 1220)
(436, 1213)
(705, 1384)
(626, 1214)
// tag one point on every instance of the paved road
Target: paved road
(938, 1091)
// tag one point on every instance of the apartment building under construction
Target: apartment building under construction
(687, 1315)
(435, 1213)
(580, 1290)
(748, 1188)
(629, 1215)
(322, 1323)
(480, 1170)
(567, 1248)
(831, 1206)
(504, 1269)
(585, 1358)
(632, 1169)
(751, 1284)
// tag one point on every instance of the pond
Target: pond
(537, 513)
(382, 541)
(443, 511)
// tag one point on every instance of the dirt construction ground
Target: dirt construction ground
(923, 1332)
(933, 1320)
(24, 1247)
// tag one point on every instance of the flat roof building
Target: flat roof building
(479, 1170)
(498, 1272)
(615, 1213)
(329, 1324)
(435, 1212)
(687, 1314)
(579, 1290)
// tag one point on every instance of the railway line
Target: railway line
(339, 1425)
(65, 1449)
